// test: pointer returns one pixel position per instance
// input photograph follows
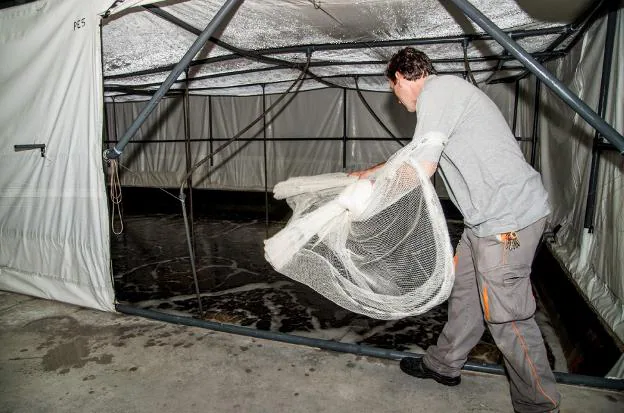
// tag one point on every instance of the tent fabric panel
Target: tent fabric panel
(311, 115)
(592, 259)
(146, 161)
(231, 115)
(302, 158)
(53, 212)
(314, 114)
(165, 122)
(153, 164)
(361, 124)
(239, 165)
(606, 259)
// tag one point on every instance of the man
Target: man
(504, 206)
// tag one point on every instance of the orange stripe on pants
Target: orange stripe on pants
(486, 302)
(536, 377)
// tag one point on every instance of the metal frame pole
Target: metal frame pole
(563, 378)
(201, 40)
(344, 129)
(536, 112)
(266, 174)
(105, 122)
(115, 119)
(602, 104)
(187, 148)
(540, 71)
(210, 135)
(514, 122)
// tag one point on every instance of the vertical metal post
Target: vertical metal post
(266, 176)
(540, 71)
(602, 104)
(210, 136)
(105, 128)
(536, 108)
(514, 122)
(105, 114)
(344, 129)
(189, 163)
(114, 117)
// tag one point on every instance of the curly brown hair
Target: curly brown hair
(411, 63)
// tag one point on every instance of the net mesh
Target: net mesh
(377, 246)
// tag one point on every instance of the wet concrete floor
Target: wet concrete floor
(62, 358)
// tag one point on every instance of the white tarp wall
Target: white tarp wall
(54, 239)
(305, 138)
(595, 261)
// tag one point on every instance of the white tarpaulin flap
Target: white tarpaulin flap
(54, 237)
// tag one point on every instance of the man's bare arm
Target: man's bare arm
(365, 173)
(428, 167)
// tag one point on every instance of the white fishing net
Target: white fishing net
(377, 246)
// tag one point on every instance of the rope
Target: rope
(115, 196)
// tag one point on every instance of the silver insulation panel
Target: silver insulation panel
(140, 48)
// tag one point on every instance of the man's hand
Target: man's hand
(429, 167)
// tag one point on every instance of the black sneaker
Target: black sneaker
(415, 367)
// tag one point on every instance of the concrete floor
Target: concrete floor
(61, 358)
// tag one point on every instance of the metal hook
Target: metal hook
(41, 146)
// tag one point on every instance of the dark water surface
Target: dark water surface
(152, 270)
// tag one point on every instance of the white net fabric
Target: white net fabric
(376, 246)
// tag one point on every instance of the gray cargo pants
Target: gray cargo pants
(492, 283)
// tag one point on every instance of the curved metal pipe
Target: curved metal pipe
(563, 378)
(374, 115)
(467, 64)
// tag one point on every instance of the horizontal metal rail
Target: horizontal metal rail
(482, 59)
(128, 90)
(288, 139)
(479, 59)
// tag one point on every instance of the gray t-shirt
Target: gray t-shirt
(481, 164)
